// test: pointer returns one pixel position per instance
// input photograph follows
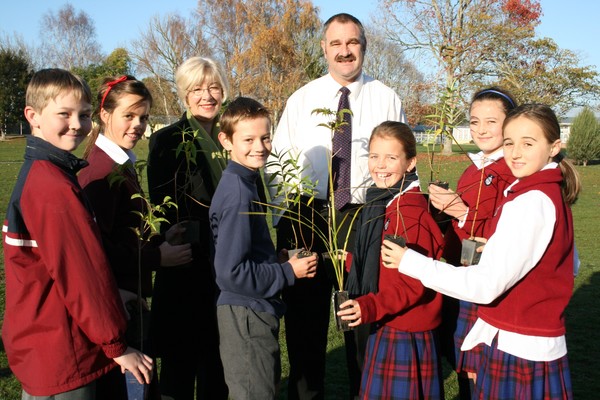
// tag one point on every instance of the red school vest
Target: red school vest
(535, 305)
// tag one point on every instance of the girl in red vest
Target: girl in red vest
(471, 207)
(524, 279)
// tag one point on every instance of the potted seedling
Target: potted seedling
(288, 186)
(445, 119)
(189, 184)
(396, 237)
(469, 254)
(336, 254)
(328, 227)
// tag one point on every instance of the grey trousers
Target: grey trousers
(87, 392)
(249, 346)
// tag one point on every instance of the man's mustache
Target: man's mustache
(349, 57)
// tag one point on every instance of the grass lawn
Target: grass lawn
(583, 313)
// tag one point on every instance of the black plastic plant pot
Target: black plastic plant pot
(302, 253)
(442, 184)
(399, 240)
(135, 390)
(339, 297)
(192, 232)
(469, 254)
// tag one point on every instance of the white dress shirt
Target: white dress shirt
(525, 227)
(299, 132)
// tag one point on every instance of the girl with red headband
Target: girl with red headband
(111, 183)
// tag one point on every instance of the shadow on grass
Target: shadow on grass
(583, 321)
(336, 377)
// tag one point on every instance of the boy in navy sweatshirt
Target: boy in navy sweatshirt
(248, 273)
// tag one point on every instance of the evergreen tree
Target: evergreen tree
(584, 141)
(15, 73)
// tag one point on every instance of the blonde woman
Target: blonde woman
(184, 297)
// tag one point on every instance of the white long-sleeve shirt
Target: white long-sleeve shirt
(298, 131)
(518, 243)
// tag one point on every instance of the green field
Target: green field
(583, 313)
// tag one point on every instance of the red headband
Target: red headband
(110, 86)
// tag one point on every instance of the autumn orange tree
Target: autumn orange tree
(265, 45)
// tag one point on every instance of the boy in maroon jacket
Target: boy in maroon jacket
(64, 322)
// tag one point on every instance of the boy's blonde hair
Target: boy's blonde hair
(196, 70)
(240, 109)
(48, 84)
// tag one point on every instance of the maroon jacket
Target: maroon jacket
(109, 187)
(492, 180)
(64, 320)
(403, 302)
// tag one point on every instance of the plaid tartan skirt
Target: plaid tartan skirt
(466, 361)
(502, 376)
(402, 365)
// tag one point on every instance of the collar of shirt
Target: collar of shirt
(113, 150)
(355, 87)
(547, 166)
(482, 161)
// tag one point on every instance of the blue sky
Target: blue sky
(573, 24)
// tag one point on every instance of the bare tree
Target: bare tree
(460, 35)
(386, 62)
(69, 39)
(166, 43)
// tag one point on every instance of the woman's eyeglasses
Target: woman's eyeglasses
(212, 90)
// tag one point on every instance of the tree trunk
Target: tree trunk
(447, 146)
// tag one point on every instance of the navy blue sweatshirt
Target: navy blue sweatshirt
(245, 261)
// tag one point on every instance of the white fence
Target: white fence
(462, 135)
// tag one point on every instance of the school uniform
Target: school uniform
(521, 305)
(401, 360)
(110, 181)
(64, 320)
(480, 187)
(250, 280)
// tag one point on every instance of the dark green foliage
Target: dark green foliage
(584, 141)
(15, 73)
(115, 64)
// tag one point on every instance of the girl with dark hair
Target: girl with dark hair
(110, 181)
(471, 207)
